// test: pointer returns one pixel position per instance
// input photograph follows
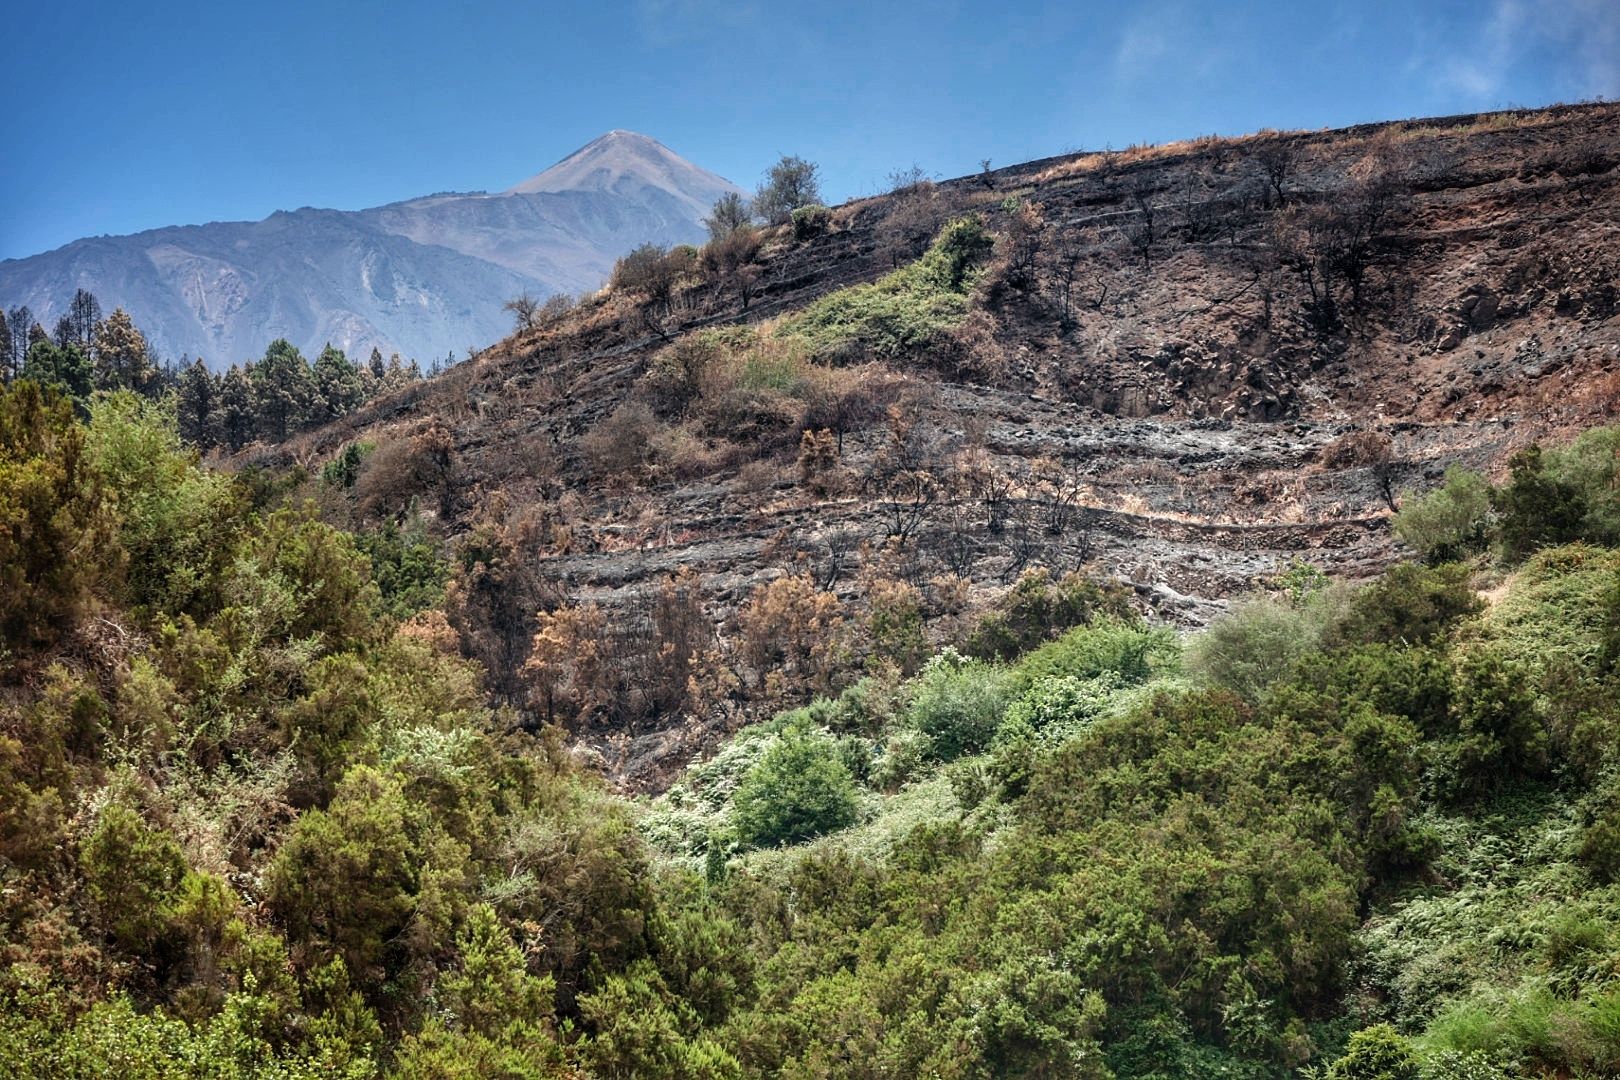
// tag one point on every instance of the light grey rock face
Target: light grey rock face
(421, 277)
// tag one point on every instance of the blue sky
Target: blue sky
(125, 116)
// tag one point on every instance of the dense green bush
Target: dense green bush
(800, 788)
(1037, 609)
(810, 221)
(906, 310)
(1538, 507)
(1255, 644)
(1449, 522)
(1131, 651)
(56, 517)
(407, 567)
(1377, 1053)
(1410, 604)
(957, 704)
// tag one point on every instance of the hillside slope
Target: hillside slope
(1184, 366)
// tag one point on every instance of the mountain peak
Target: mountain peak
(620, 159)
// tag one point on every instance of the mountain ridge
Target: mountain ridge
(423, 277)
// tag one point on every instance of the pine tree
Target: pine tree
(5, 348)
(398, 374)
(197, 405)
(83, 315)
(338, 390)
(21, 321)
(281, 390)
(122, 359)
(63, 334)
(62, 366)
(235, 408)
(378, 370)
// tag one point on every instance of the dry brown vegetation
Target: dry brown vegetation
(1186, 364)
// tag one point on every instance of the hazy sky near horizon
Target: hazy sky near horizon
(125, 117)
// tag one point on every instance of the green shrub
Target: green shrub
(1377, 1053)
(1449, 522)
(1455, 1065)
(1410, 604)
(344, 468)
(180, 524)
(639, 1028)
(407, 567)
(1500, 735)
(800, 788)
(957, 704)
(1036, 608)
(1538, 507)
(133, 873)
(1254, 645)
(1128, 650)
(345, 881)
(1505, 1026)
(1591, 465)
(57, 517)
(1055, 707)
(904, 757)
(1599, 844)
(904, 311)
(810, 221)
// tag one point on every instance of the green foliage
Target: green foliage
(800, 788)
(336, 389)
(810, 221)
(347, 879)
(1057, 707)
(1559, 496)
(1256, 643)
(1591, 464)
(63, 368)
(407, 567)
(1411, 604)
(492, 993)
(132, 873)
(344, 468)
(904, 311)
(1449, 522)
(56, 517)
(730, 214)
(39, 1039)
(178, 523)
(1037, 608)
(1377, 1053)
(790, 184)
(641, 1029)
(1131, 652)
(282, 390)
(957, 704)
(298, 579)
(1500, 736)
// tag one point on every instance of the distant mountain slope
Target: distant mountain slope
(421, 277)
